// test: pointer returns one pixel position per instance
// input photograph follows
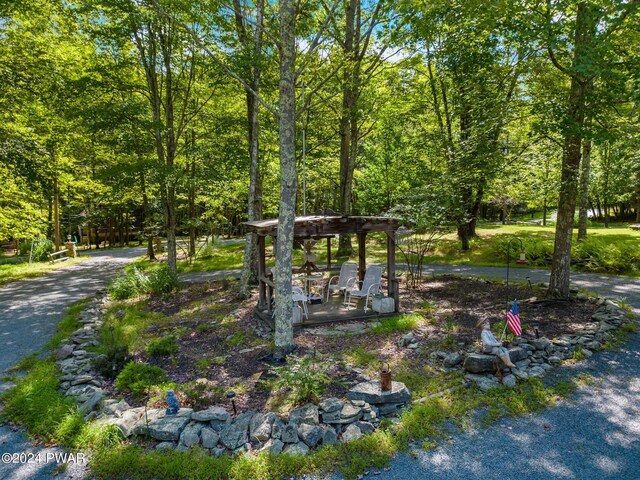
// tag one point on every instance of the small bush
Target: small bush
(132, 283)
(162, 280)
(305, 376)
(112, 363)
(138, 377)
(162, 346)
(41, 248)
(400, 323)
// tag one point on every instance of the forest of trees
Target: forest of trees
(183, 117)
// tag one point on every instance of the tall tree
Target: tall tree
(288, 181)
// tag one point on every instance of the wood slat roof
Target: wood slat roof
(322, 225)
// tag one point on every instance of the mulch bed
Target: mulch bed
(209, 320)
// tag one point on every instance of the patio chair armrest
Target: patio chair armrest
(331, 278)
(350, 282)
(371, 286)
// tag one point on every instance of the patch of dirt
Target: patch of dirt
(219, 349)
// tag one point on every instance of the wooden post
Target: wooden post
(329, 254)
(393, 289)
(262, 272)
(362, 255)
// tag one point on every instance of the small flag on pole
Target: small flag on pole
(513, 319)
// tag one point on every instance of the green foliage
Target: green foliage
(110, 364)
(162, 346)
(162, 280)
(399, 323)
(139, 377)
(306, 377)
(42, 247)
(37, 404)
(131, 283)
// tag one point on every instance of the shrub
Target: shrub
(132, 283)
(41, 248)
(162, 280)
(138, 377)
(162, 346)
(305, 376)
(111, 364)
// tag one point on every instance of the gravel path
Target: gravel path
(29, 312)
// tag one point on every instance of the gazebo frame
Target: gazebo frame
(317, 227)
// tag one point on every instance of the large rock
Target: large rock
(129, 421)
(310, 434)
(289, 433)
(371, 392)
(209, 438)
(480, 362)
(190, 436)
(307, 414)
(273, 446)
(235, 435)
(260, 426)
(217, 414)
(452, 360)
(329, 436)
(166, 427)
(296, 449)
(331, 405)
(351, 433)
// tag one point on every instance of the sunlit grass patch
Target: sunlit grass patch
(399, 323)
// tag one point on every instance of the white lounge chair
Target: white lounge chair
(348, 271)
(370, 286)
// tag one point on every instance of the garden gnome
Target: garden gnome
(493, 346)
(172, 401)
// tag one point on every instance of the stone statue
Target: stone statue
(491, 345)
(172, 401)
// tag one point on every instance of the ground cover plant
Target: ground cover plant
(12, 272)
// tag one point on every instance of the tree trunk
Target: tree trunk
(544, 212)
(147, 226)
(584, 189)
(638, 197)
(346, 119)
(284, 249)
(56, 214)
(191, 198)
(250, 265)
(579, 91)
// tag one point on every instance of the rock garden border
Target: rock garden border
(331, 421)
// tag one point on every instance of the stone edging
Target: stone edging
(214, 429)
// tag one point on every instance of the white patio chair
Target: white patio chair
(298, 295)
(370, 286)
(348, 271)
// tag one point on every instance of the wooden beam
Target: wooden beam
(262, 272)
(362, 255)
(393, 286)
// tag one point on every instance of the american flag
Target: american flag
(513, 319)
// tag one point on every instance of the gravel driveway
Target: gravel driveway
(29, 312)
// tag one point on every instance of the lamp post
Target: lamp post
(521, 260)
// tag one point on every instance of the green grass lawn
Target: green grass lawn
(11, 272)
(612, 250)
(607, 250)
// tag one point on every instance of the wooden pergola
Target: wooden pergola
(319, 227)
